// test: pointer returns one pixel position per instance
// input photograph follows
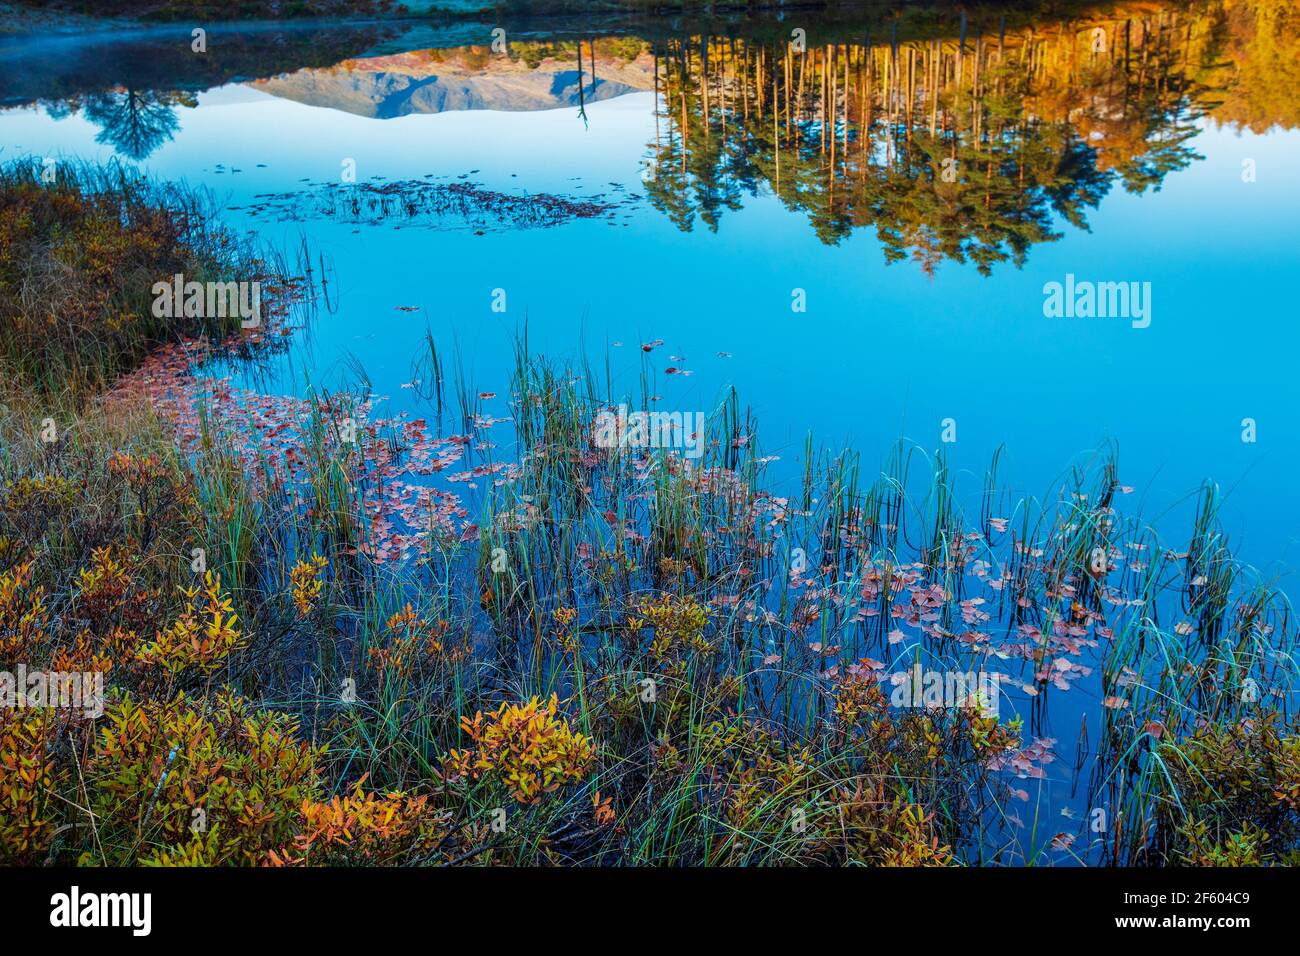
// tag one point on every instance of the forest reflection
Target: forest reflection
(959, 137)
(966, 148)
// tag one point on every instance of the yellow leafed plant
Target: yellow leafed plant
(22, 615)
(203, 637)
(530, 749)
(307, 583)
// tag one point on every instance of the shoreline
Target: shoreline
(17, 20)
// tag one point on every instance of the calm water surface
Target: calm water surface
(924, 299)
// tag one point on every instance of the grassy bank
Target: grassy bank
(606, 655)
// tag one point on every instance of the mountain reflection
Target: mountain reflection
(549, 76)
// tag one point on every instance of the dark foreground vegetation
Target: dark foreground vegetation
(621, 656)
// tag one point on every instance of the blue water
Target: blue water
(882, 352)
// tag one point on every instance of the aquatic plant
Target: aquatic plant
(430, 204)
(315, 651)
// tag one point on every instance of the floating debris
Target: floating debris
(416, 203)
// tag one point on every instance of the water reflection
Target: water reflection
(135, 122)
(962, 148)
(131, 86)
(537, 77)
(961, 139)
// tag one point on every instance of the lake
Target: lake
(856, 224)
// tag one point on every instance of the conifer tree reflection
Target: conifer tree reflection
(966, 148)
(134, 122)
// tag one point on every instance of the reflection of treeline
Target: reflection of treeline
(535, 52)
(959, 148)
(760, 15)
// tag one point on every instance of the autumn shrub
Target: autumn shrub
(797, 804)
(29, 504)
(29, 805)
(305, 579)
(528, 748)
(411, 646)
(1234, 797)
(677, 625)
(23, 616)
(207, 780)
(203, 636)
(216, 770)
(76, 478)
(110, 595)
(368, 829)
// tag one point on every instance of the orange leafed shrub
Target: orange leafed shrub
(914, 843)
(678, 625)
(23, 618)
(364, 828)
(211, 780)
(27, 776)
(203, 637)
(413, 643)
(82, 656)
(109, 594)
(530, 749)
(307, 584)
